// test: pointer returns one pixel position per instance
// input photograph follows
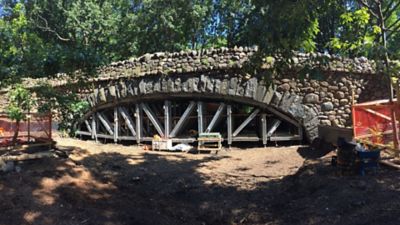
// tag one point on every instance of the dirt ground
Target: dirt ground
(114, 184)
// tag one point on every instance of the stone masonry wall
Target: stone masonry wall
(342, 80)
(333, 95)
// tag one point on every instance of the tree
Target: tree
(172, 25)
(383, 11)
(20, 102)
(21, 50)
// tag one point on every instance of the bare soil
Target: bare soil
(114, 184)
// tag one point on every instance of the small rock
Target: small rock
(327, 106)
(326, 122)
(284, 87)
(340, 95)
(311, 98)
(344, 101)
(324, 84)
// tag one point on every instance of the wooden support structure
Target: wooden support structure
(167, 118)
(116, 125)
(87, 126)
(216, 118)
(128, 120)
(229, 124)
(156, 123)
(183, 119)
(106, 123)
(94, 126)
(246, 122)
(264, 129)
(139, 123)
(163, 118)
(273, 128)
(200, 117)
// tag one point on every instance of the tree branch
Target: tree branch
(393, 24)
(388, 12)
(392, 31)
(370, 9)
(48, 29)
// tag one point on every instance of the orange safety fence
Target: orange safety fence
(372, 122)
(36, 128)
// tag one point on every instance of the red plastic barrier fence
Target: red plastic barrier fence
(372, 122)
(35, 128)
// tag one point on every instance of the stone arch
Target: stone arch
(228, 87)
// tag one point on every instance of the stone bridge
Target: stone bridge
(178, 95)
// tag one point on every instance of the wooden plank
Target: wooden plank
(28, 156)
(116, 125)
(154, 120)
(246, 122)
(139, 123)
(167, 118)
(106, 123)
(275, 126)
(94, 127)
(229, 124)
(383, 116)
(128, 120)
(87, 126)
(216, 118)
(264, 129)
(285, 138)
(183, 140)
(127, 138)
(200, 117)
(183, 119)
(285, 117)
(106, 136)
(85, 133)
(245, 139)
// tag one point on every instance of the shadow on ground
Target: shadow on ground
(111, 189)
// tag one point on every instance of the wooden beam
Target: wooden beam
(106, 123)
(139, 123)
(216, 118)
(128, 120)
(275, 126)
(264, 129)
(94, 126)
(200, 117)
(229, 124)
(156, 123)
(85, 133)
(116, 125)
(246, 122)
(286, 138)
(383, 116)
(285, 117)
(167, 118)
(184, 118)
(88, 126)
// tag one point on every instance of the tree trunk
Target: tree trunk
(16, 132)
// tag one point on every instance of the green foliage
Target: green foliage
(20, 102)
(68, 106)
(357, 36)
(20, 48)
(286, 25)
